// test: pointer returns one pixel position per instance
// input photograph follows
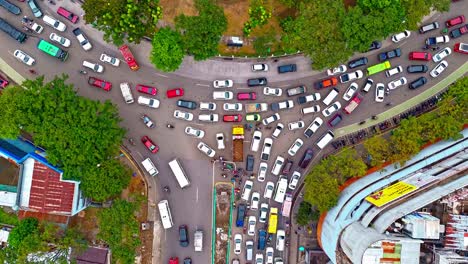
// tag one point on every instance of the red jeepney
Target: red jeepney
(353, 104)
(129, 58)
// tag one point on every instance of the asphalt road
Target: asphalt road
(192, 206)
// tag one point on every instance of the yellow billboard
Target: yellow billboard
(391, 193)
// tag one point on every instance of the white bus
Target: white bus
(325, 139)
(179, 173)
(281, 187)
(165, 213)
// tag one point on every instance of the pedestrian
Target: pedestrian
(295, 232)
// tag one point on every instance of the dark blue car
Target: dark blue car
(390, 54)
(262, 236)
(240, 215)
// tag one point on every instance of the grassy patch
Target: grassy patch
(173, 8)
(8, 218)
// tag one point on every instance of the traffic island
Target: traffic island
(222, 214)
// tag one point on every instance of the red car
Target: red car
(67, 14)
(149, 144)
(247, 96)
(175, 92)
(146, 89)
(174, 260)
(3, 82)
(419, 55)
(461, 48)
(326, 83)
(232, 118)
(455, 21)
(106, 86)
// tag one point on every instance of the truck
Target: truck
(287, 204)
(126, 93)
(296, 90)
(436, 40)
(12, 31)
(29, 24)
(238, 143)
(353, 104)
(273, 220)
(198, 240)
(149, 167)
(255, 108)
(129, 58)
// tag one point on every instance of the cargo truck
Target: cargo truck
(256, 108)
(353, 104)
(238, 143)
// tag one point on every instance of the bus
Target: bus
(129, 58)
(179, 173)
(52, 50)
(379, 68)
(273, 220)
(165, 213)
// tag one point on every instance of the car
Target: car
(269, 187)
(313, 127)
(82, 39)
(207, 106)
(329, 82)
(93, 66)
(307, 158)
(287, 167)
(3, 82)
(417, 68)
(335, 120)
(262, 236)
(259, 67)
(280, 239)
(150, 102)
(296, 125)
(253, 118)
(223, 83)
(439, 69)
(401, 36)
(55, 23)
(461, 48)
(257, 82)
(259, 258)
(331, 109)
(379, 92)
(418, 83)
(368, 85)
(232, 118)
(212, 118)
(247, 96)
(194, 132)
(271, 119)
(237, 244)
(223, 95)
(174, 260)
(308, 98)
(262, 170)
(437, 40)
(146, 89)
(187, 261)
(187, 104)
(68, 15)
(248, 186)
(337, 70)
(149, 144)
(294, 180)
(24, 57)
(147, 121)
(455, 21)
(287, 68)
(266, 150)
(282, 105)
(183, 115)
(390, 54)
(278, 260)
(352, 89)
(256, 138)
(106, 86)
(34, 8)
(251, 222)
(60, 40)
(232, 107)
(397, 83)
(278, 129)
(277, 165)
(458, 32)
(351, 76)
(249, 247)
(249, 163)
(32, 26)
(298, 143)
(375, 45)
(394, 71)
(175, 92)
(357, 62)
(203, 147)
(220, 140)
(272, 91)
(109, 60)
(263, 213)
(183, 236)
(418, 55)
(255, 201)
(442, 54)
(429, 27)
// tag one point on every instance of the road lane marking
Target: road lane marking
(137, 152)
(247, 88)
(402, 44)
(162, 75)
(197, 195)
(200, 84)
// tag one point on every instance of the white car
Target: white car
(251, 222)
(294, 180)
(259, 258)
(271, 119)
(255, 201)
(194, 132)
(150, 102)
(267, 144)
(278, 129)
(249, 248)
(442, 54)
(36, 27)
(368, 85)
(313, 127)
(223, 83)
(401, 36)
(279, 260)
(232, 107)
(268, 193)
(220, 140)
(308, 98)
(352, 89)
(351, 76)
(60, 40)
(203, 147)
(93, 66)
(295, 147)
(263, 214)
(207, 106)
(331, 109)
(237, 244)
(259, 67)
(394, 71)
(212, 118)
(248, 186)
(223, 95)
(262, 170)
(55, 23)
(439, 69)
(296, 125)
(397, 83)
(279, 162)
(109, 60)
(272, 91)
(379, 92)
(256, 139)
(280, 239)
(84, 42)
(183, 115)
(288, 104)
(269, 254)
(24, 57)
(337, 70)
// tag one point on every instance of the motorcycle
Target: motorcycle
(166, 189)
(83, 72)
(32, 71)
(131, 141)
(170, 126)
(147, 121)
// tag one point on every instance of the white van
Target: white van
(330, 96)
(165, 214)
(198, 240)
(325, 139)
(281, 187)
(223, 95)
(126, 93)
(149, 167)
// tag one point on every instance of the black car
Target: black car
(287, 68)
(417, 69)
(183, 236)
(306, 158)
(10, 7)
(257, 82)
(357, 62)
(187, 261)
(418, 83)
(390, 54)
(187, 104)
(375, 45)
(249, 166)
(240, 215)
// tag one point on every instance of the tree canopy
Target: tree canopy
(167, 53)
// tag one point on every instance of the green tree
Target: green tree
(406, 140)
(167, 53)
(306, 213)
(20, 233)
(346, 164)
(321, 189)
(123, 19)
(379, 149)
(417, 9)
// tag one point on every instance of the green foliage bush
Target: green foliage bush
(258, 16)
(8, 218)
(167, 53)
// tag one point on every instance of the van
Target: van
(311, 109)
(281, 187)
(149, 167)
(54, 23)
(12, 31)
(165, 214)
(330, 96)
(287, 68)
(325, 139)
(198, 240)
(429, 27)
(418, 55)
(249, 247)
(249, 166)
(126, 93)
(223, 95)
